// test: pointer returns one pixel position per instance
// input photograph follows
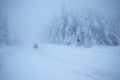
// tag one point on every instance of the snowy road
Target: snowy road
(54, 62)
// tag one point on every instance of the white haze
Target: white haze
(28, 18)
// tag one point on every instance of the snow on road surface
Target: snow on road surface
(57, 62)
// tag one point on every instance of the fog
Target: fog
(59, 40)
(28, 18)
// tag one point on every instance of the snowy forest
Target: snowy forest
(59, 40)
(86, 28)
(4, 31)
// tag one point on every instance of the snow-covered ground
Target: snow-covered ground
(58, 62)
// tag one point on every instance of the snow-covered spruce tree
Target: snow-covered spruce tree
(88, 28)
(3, 32)
(114, 31)
(59, 26)
(114, 22)
(3, 26)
